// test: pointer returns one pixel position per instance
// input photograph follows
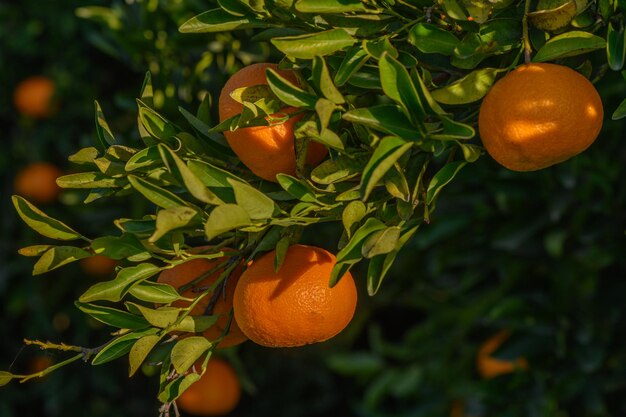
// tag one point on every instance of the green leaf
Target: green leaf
(351, 253)
(398, 85)
(384, 118)
(336, 170)
(287, 92)
(321, 77)
(5, 378)
(453, 130)
(381, 242)
(102, 128)
(112, 316)
(315, 44)
(389, 150)
(58, 256)
(377, 47)
(146, 158)
(161, 317)
(155, 194)
(620, 112)
(442, 178)
(156, 125)
(115, 289)
(195, 324)
(42, 223)
(225, 218)
(180, 217)
(352, 215)
(553, 19)
(90, 180)
(355, 58)
(432, 39)
(217, 20)
(34, 250)
(120, 346)
(85, 156)
(329, 6)
(296, 188)
(154, 292)
(256, 204)
(187, 177)
(468, 89)
(118, 247)
(140, 350)
(615, 47)
(187, 351)
(569, 44)
(379, 265)
(175, 388)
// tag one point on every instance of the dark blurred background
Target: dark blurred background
(542, 255)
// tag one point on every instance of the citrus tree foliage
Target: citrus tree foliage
(391, 88)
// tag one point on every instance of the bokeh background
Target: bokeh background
(542, 255)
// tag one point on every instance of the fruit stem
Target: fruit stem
(525, 36)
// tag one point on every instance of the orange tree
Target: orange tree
(392, 90)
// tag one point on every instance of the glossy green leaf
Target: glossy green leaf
(354, 59)
(175, 388)
(112, 316)
(430, 39)
(187, 351)
(218, 20)
(389, 150)
(323, 80)
(316, 44)
(620, 112)
(398, 86)
(441, 179)
(115, 289)
(352, 215)
(468, 89)
(155, 194)
(57, 256)
(384, 118)
(161, 317)
(42, 223)
(381, 242)
(254, 202)
(193, 184)
(90, 180)
(139, 351)
(118, 247)
(615, 47)
(84, 156)
(351, 253)
(329, 6)
(569, 44)
(289, 93)
(120, 346)
(102, 128)
(156, 125)
(226, 218)
(181, 217)
(336, 170)
(295, 187)
(154, 292)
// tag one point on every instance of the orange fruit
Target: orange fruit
(539, 115)
(216, 393)
(37, 182)
(294, 306)
(98, 266)
(265, 150)
(490, 367)
(33, 97)
(186, 272)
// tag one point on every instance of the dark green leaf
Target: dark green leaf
(384, 118)
(441, 178)
(468, 89)
(329, 6)
(390, 149)
(115, 289)
(113, 317)
(289, 93)
(157, 195)
(120, 346)
(569, 44)
(429, 39)
(218, 20)
(154, 292)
